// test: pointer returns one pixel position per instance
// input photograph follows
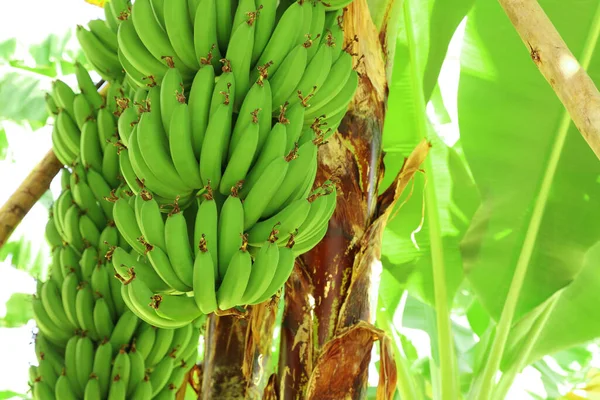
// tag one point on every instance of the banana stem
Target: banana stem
(28, 193)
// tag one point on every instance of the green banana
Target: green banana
(89, 233)
(182, 338)
(160, 374)
(336, 108)
(70, 261)
(285, 265)
(84, 197)
(115, 291)
(265, 22)
(158, 6)
(314, 76)
(108, 238)
(180, 30)
(68, 131)
(236, 279)
(295, 176)
(110, 163)
(317, 24)
(199, 103)
(82, 109)
(264, 189)
(143, 391)
(311, 240)
(273, 149)
(84, 352)
(105, 61)
(171, 95)
(102, 366)
(163, 267)
(121, 367)
(206, 225)
(64, 97)
(181, 146)
(124, 329)
(176, 308)
(334, 32)
(145, 338)
(161, 348)
(241, 158)
(90, 150)
(137, 370)
(127, 120)
(206, 44)
(140, 296)
(47, 373)
(104, 33)
(52, 302)
(56, 271)
(239, 54)
(295, 118)
(126, 222)
(69, 297)
(51, 106)
(107, 127)
(123, 262)
(42, 391)
(63, 389)
(336, 4)
(71, 366)
(289, 75)
(334, 84)
(137, 54)
(127, 171)
(52, 235)
(71, 229)
(84, 309)
(62, 152)
(263, 271)
(151, 221)
(225, 10)
(92, 389)
(283, 38)
(215, 143)
(178, 246)
(101, 191)
(118, 389)
(101, 286)
(231, 229)
(103, 319)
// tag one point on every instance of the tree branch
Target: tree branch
(30, 191)
(561, 69)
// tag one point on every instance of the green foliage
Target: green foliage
(18, 311)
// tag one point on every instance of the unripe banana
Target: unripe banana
(177, 308)
(70, 261)
(121, 367)
(161, 348)
(144, 342)
(88, 230)
(123, 262)
(84, 352)
(102, 366)
(137, 54)
(102, 192)
(289, 74)
(64, 96)
(103, 319)
(63, 389)
(181, 145)
(71, 366)
(42, 390)
(225, 9)
(206, 24)
(206, 225)
(92, 389)
(241, 159)
(82, 109)
(160, 374)
(285, 266)
(137, 370)
(84, 308)
(199, 102)
(178, 246)
(87, 86)
(239, 54)
(124, 329)
(118, 389)
(143, 391)
(231, 228)
(47, 373)
(127, 224)
(263, 271)
(53, 332)
(91, 151)
(180, 30)
(69, 296)
(265, 22)
(236, 279)
(171, 95)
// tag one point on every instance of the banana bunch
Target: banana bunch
(184, 264)
(145, 363)
(85, 124)
(301, 43)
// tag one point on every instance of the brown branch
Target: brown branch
(561, 69)
(30, 191)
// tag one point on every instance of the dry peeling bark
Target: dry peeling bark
(30, 191)
(326, 332)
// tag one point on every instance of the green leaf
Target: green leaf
(539, 180)
(8, 394)
(18, 311)
(22, 98)
(3, 144)
(576, 318)
(7, 49)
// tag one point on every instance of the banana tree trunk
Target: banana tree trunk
(326, 336)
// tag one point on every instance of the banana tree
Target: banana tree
(484, 242)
